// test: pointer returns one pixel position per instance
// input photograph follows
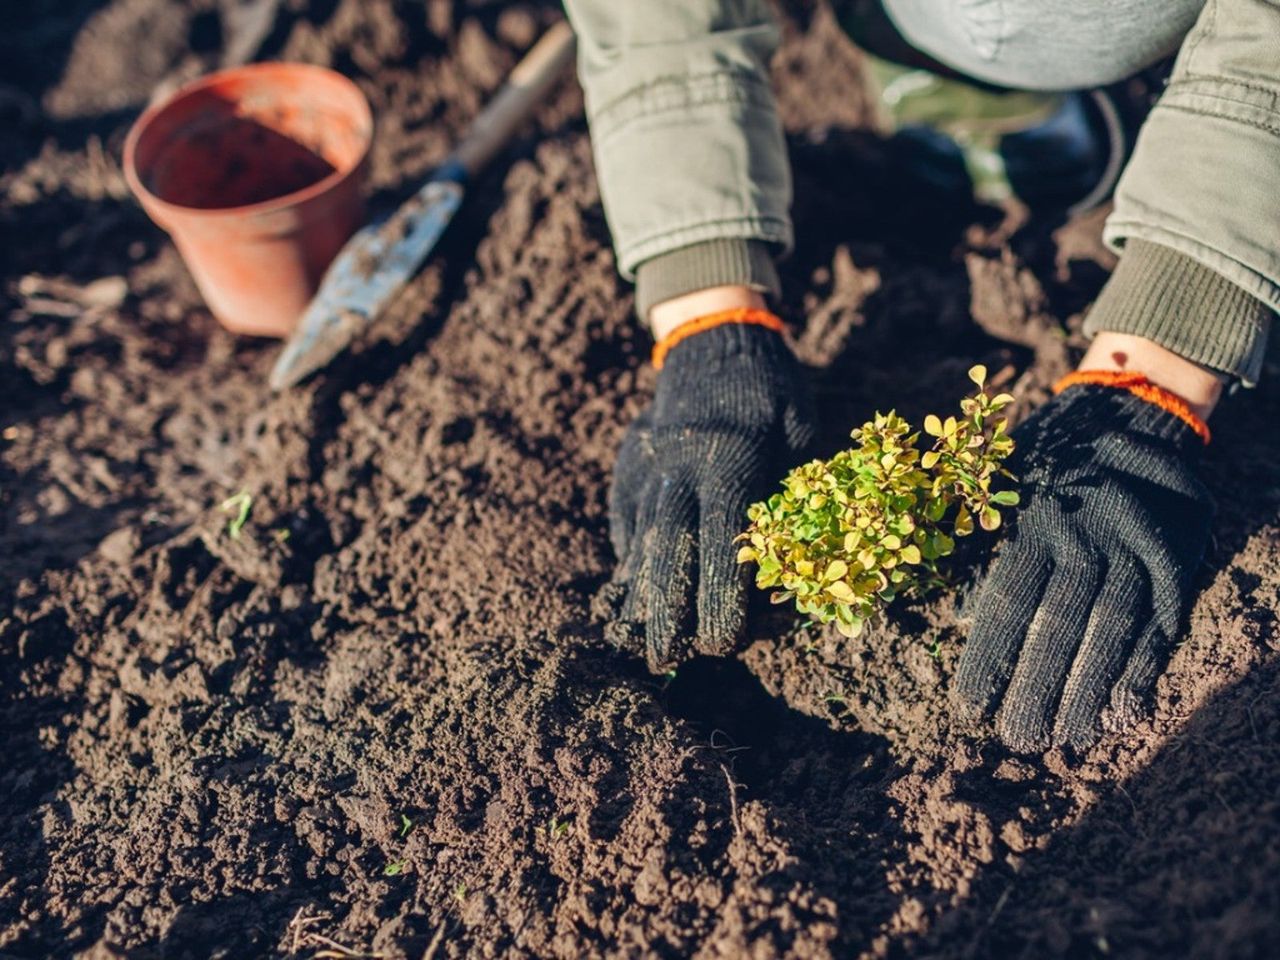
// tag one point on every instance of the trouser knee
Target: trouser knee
(1037, 44)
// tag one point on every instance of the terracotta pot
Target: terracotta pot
(256, 174)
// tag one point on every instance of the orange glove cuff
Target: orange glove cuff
(745, 315)
(1143, 389)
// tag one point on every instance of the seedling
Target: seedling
(239, 505)
(406, 826)
(845, 536)
(460, 892)
(395, 868)
(556, 828)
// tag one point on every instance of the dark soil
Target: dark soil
(384, 718)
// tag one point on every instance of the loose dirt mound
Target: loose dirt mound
(383, 717)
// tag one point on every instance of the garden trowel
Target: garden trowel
(381, 257)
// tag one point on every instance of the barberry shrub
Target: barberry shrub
(845, 536)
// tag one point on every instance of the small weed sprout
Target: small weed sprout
(396, 867)
(845, 536)
(239, 505)
(555, 828)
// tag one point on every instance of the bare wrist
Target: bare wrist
(1199, 386)
(670, 314)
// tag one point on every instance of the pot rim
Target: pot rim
(168, 210)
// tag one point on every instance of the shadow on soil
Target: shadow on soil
(823, 789)
(1165, 858)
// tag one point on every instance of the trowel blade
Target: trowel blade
(367, 273)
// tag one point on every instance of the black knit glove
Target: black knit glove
(727, 421)
(1093, 583)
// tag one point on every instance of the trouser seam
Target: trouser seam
(673, 96)
(1266, 128)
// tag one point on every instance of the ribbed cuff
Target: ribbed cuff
(713, 263)
(1165, 296)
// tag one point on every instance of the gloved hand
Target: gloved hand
(727, 421)
(1090, 590)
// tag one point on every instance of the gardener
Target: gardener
(1093, 584)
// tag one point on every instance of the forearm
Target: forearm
(1204, 183)
(1181, 324)
(688, 147)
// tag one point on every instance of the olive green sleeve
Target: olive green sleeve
(1193, 310)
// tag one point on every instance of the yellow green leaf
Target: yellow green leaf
(990, 518)
(840, 590)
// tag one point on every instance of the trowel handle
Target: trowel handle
(523, 92)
